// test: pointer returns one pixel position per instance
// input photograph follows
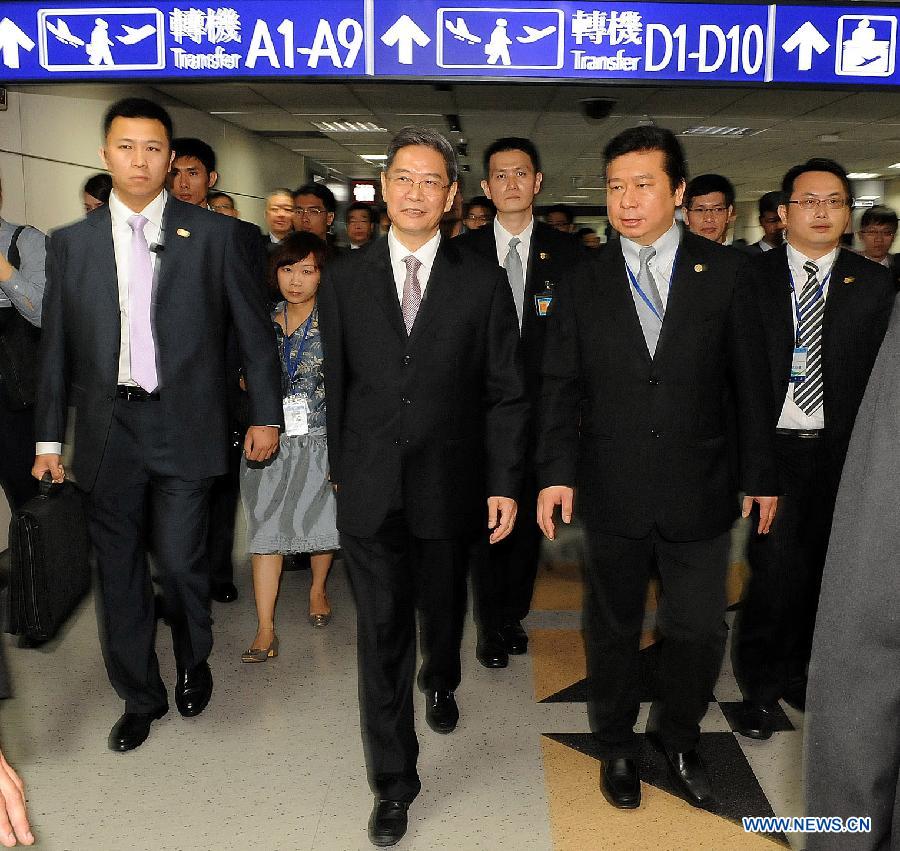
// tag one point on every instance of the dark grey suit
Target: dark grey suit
(852, 732)
(164, 452)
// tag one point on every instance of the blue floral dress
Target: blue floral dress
(288, 500)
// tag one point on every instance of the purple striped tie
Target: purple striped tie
(412, 292)
(140, 291)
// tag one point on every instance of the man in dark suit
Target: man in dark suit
(648, 345)
(825, 310)
(877, 231)
(426, 414)
(536, 257)
(136, 312)
(770, 222)
(192, 175)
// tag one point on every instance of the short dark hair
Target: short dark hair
(879, 215)
(371, 209)
(99, 186)
(321, 191)
(706, 184)
(187, 146)
(565, 209)
(427, 138)
(480, 201)
(512, 143)
(816, 164)
(214, 196)
(650, 138)
(295, 247)
(770, 202)
(138, 108)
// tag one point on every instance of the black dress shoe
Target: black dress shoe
(688, 774)
(387, 824)
(193, 690)
(515, 638)
(132, 729)
(224, 592)
(441, 711)
(620, 783)
(491, 649)
(755, 720)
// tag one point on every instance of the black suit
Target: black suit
(774, 631)
(648, 444)
(163, 452)
(419, 428)
(503, 574)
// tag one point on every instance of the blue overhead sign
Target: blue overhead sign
(747, 43)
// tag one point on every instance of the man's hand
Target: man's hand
(501, 516)
(767, 508)
(48, 463)
(13, 817)
(6, 268)
(548, 499)
(260, 443)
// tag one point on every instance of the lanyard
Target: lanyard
(292, 363)
(642, 294)
(820, 293)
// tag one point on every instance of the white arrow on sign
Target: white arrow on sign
(403, 33)
(805, 41)
(11, 39)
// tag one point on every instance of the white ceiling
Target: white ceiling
(867, 123)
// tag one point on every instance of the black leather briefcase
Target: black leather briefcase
(50, 569)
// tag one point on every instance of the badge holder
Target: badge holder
(543, 300)
(296, 416)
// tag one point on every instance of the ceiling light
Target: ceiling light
(895, 165)
(373, 157)
(348, 127)
(720, 132)
(575, 197)
(828, 137)
(862, 175)
(214, 112)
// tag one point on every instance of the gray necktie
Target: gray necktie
(513, 266)
(412, 292)
(647, 281)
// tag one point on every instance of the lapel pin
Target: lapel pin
(183, 232)
(849, 280)
(543, 255)
(699, 268)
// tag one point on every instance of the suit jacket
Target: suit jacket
(857, 310)
(647, 441)
(552, 257)
(431, 420)
(204, 281)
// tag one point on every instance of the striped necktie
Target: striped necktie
(808, 395)
(412, 292)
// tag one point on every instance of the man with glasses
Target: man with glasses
(426, 415)
(825, 311)
(877, 229)
(480, 211)
(536, 258)
(709, 206)
(222, 202)
(314, 210)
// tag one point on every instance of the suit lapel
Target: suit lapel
(685, 294)
(438, 294)
(615, 289)
(174, 237)
(781, 308)
(838, 297)
(104, 255)
(384, 288)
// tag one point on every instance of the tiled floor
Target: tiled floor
(276, 760)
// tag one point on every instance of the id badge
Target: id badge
(543, 300)
(296, 416)
(798, 364)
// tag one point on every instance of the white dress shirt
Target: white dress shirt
(121, 235)
(502, 237)
(661, 265)
(424, 254)
(791, 415)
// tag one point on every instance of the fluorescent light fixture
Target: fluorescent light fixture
(895, 165)
(576, 197)
(372, 158)
(348, 127)
(862, 175)
(228, 112)
(720, 132)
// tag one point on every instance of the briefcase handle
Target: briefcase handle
(47, 487)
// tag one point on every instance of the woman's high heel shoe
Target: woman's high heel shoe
(260, 654)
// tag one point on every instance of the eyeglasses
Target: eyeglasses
(221, 208)
(884, 234)
(309, 211)
(714, 211)
(473, 218)
(810, 204)
(429, 185)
